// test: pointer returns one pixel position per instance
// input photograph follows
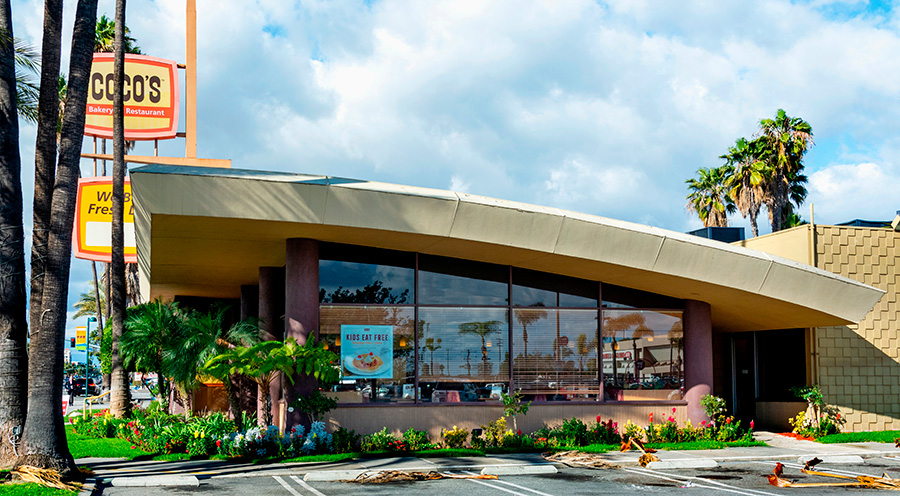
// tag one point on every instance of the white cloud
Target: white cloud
(849, 191)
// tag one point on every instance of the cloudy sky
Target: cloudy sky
(599, 107)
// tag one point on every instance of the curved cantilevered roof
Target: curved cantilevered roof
(206, 232)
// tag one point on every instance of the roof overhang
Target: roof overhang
(206, 232)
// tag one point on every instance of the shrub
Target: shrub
(713, 406)
(572, 432)
(378, 441)
(605, 432)
(345, 440)
(417, 440)
(494, 433)
(633, 430)
(819, 419)
(455, 437)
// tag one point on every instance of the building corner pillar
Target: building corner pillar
(301, 309)
(271, 308)
(698, 357)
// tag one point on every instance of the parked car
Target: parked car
(78, 387)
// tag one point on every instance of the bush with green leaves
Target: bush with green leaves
(345, 440)
(819, 419)
(378, 441)
(315, 404)
(417, 440)
(713, 406)
(605, 432)
(572, 432)
(455, 438)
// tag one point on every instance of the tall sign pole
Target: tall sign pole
(190, 81)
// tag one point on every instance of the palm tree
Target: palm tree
(150, 330)
(105, 37)
(207, 337)
(747, 181)
(27, 91)
(786, 140)
(709, 196)
(87, 304)
(13, 325)
(120, 392)
(43, 437)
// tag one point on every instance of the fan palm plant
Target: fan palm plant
(709, 196)
(786, 140)
(747, 181)
(208, 336)
(150, 330)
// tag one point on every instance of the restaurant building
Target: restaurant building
(437, 302)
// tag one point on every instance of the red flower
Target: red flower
(598, 419)
(651, 418)
(219, 443)
(519, 432)
(671, 419)
(728, 420)
(673, 409)
(751, 425)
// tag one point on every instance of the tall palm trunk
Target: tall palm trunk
(44, 438)
(120, 400)
(13, 328)
(45, 151)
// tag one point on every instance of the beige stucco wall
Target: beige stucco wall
(858, 366)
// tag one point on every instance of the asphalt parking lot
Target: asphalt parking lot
(741, 478)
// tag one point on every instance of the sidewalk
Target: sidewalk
(780, 448)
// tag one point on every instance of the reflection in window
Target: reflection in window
(353, 282)
(642, 355)
(463, 354)
(451, 281)
(622, 297)
(540, 289)
(555, 354)
(399, 385)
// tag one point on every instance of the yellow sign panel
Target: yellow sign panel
(150, 95)
(92, 237)
(80, 335)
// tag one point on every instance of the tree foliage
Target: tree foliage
(767, 170)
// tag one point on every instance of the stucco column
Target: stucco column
(698, 357)
(301, 307)
(249, 301)
(271, 308)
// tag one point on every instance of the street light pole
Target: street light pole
(87, 353)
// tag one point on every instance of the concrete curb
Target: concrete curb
(334, 475)
(519, 470)
(156, 481)
(90, 487)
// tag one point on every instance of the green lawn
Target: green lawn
(15, 488)
(693, 445)
(29, 489)
(861, 437)
(85, 447)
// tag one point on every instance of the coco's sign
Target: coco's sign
(150, 96)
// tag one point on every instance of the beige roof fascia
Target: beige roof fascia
(207, 228)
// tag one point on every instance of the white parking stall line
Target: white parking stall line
(699, 482)
(286, 486)
(306, 486)
(476, 481)
(523, 488)
(824, 469)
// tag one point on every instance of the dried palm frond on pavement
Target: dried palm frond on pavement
(577, 458)
(864, 481)
(385, 476)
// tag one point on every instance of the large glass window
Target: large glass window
(465, 331)
(463, 354)
(451, 281)
(555, 354)
(377, 349)
(351, 274)
(643, 355)
(539, 289)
